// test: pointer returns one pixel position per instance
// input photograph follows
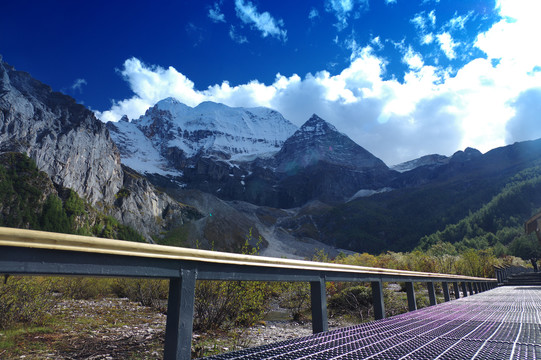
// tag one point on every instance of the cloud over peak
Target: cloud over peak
(485, 102)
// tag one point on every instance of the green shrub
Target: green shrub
(24, 300)
(395, 302)
(224, 304)
(295, 296)
(147, 292)
(82, 288)
(355, 301)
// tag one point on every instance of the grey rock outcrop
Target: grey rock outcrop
(63, 137)
(74, 148)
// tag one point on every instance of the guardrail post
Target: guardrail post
(410, 291)
(470, 288)
(179, 325)
(476, 287)
(431, 293)
(377, 296)
(318, 295)
(464, 290)
(455, 288)
(445, 288)
(498, 273)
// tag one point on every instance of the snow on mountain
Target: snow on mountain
(433, 160)
(369, 192)
(137, 150)
(319, 141)
(170, 133)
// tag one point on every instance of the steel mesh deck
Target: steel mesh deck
(503, 323)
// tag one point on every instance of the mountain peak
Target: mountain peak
(170, 104)
(318, 141)
(317, 126)
(466, 155)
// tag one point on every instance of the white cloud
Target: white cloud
(459, 22)
(447, 44)
(387, 2)
(78, 84)
(524, 125)
(424, 21)
(150, 84)
(483, 105)
(413, 59)
(215, 14)
(263, 22)
(427, 39)
(376, 43)
(425, 24)
(313, 14)
(344, 9)
(241, 39)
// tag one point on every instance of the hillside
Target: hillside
(446, 195)
(30, 200)
(74, 149)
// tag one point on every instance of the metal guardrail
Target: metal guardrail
(31, 252)
(503, 272)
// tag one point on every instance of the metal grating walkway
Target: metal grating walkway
(503, 323)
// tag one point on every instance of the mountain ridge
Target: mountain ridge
(312, 185)
(273, 172)
(67, 142)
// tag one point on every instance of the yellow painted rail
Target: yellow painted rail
(30, 252)
(67, 242)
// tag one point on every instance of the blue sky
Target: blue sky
(403, 78)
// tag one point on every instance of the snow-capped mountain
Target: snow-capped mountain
(318, 141)
(433, 160)
(319, 162)
(172, 136)
(253, 154)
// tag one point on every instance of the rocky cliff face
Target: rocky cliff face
(64, 138)
(254, 155)
(74, 148)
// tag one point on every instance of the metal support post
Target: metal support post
(377, 296)
(318, 296)
(179, 325)
(464, 290)
(445, 288)
(476, 288)
(470, 288)
(431, 293)
(410, 291)
(457, 292)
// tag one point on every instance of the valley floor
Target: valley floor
(113, 328)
